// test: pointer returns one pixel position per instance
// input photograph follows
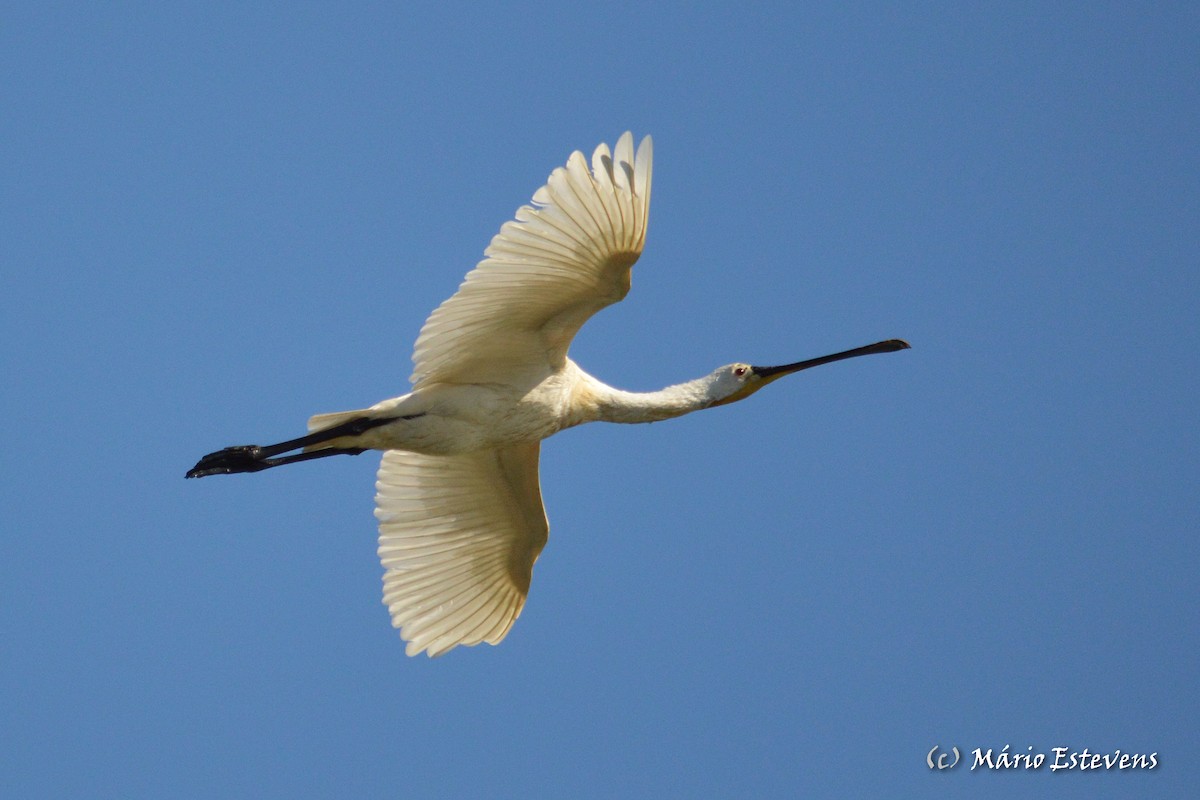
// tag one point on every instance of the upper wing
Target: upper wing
(545, 273)
(458, 536)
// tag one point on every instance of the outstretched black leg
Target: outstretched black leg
(248, 458)
(253, 458)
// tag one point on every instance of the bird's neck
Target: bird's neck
(606, 404)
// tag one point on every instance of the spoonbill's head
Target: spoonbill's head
(738, 381)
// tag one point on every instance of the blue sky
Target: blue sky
(218, 222)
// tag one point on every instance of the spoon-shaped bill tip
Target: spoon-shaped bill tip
(891, 346)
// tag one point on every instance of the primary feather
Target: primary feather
(545, 273)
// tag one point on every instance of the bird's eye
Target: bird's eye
(739, 371)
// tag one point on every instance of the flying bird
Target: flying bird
(459, 505)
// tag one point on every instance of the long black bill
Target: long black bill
(889, 346)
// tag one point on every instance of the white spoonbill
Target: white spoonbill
(461, 521)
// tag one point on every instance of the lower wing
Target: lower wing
(458, 536)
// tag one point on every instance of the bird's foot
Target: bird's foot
(242, 458)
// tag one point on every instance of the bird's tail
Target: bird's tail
(319, 422)
(324, 422)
